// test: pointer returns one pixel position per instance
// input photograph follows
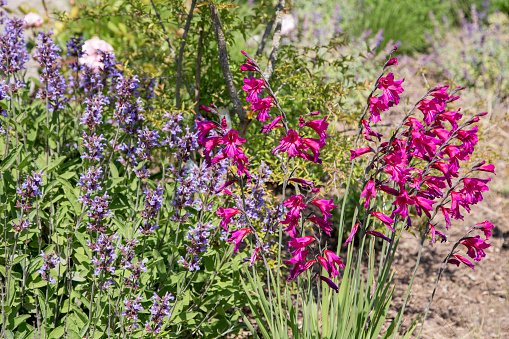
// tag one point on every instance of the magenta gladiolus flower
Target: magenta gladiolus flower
(434, 232)
(440, 92)
(423, 145)
(249, 66)
(299, 268)
(330, 283)
(456, 201)
(486, 227)
(430, 108)
(320, 127)
(300, 243)
(385, 219)
(291, 144)
(325, 206)
(333, 261)
(402, 201)
(232, 140)
(486, 168)
(446, 211)
(451, 116)
(262, 106)
(225, 185)
(393, 61)
(314, 145)
(369, 192)
(323, 224)
(302, 181)
(469, 138)
(204, 127)
(292, 222)
(352, 233)
(390, 89)
(424, 204)
(299, 256)
(254, 256)
(359, 151)
(369, 133)
(475, 247)
(458, 259)
(226, 214)
(377, 105)
(272, 125)
(295, 204)
(473, 188)
(253, 87)
(237, 236)
(379, 235)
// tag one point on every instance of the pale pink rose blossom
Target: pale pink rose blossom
(288, 24)
(90, 56)
(32, 20)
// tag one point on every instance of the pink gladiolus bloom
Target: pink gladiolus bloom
(473, 188)
(301, 181)
(325, 206)
(231, 140)
(334, 261)
(352, 233)
(475, 247)
(434, 232)
(379, 235)
(241, 161)
(390, 89)
(300, 243)
(434, 186)
(32, 20)
(253, 86)
(424, 204)
(486, 227)
(255, 256)
(430, 108)
(330, 283)
(416, 124)
(441, 133)
(455, 155)
(359, 151)
(440, 92)
(388, 189)
(292, 144)
(458, 259)
(295, 204)
(204, 127)
(369, 192)
(451, 116)
(469, 138)
(272, 125)
(209, 144)
(369, 133)
(314, 145)
(486, 168)
(385, 219)
(323, 224)
(320, 127)
(300, 256)
(91, 57)
(237, 236)
(262, 106)
(393, 61)
(456, 201)
(446, 211)
(377, 105)
(292, 222)
(226, 214)
(299, 268)
(324, 263)
(446, 170)
(402, 202)
(423, 145)
(249, 66)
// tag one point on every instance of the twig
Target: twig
(276, 39)
(162, 26)
(225, 67)
(181, 54)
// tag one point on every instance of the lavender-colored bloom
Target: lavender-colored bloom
(127, 252)
(93, 113)
(128, 114)
(105, 249)
(131, 309)
(160, 309)
(29, 190)
(93, 147)
(147, 140)
(153, 202)
(141, 173)
(134, 280)
(130, 159)
(148, 228)
(51, 260)
(90, 182)
(53, 84)
(198, 236)
(99, 208)
(21, 225)
(13, 51)
(4, 90)
(75, 50)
